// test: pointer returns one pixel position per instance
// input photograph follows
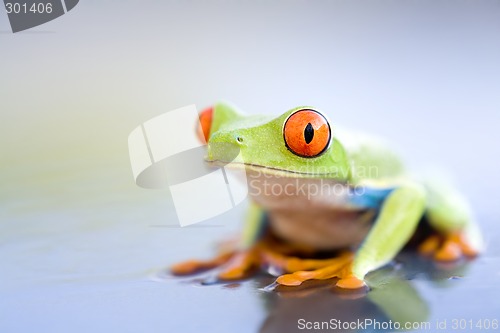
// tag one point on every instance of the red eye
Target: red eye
(206, 124)
(307, 133)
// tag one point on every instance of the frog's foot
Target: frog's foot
(340, 267)
(195, 266)
(449, 247)
(286, 263)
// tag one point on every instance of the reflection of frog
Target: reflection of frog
(315, 189)
(394, 303)
(312, 308)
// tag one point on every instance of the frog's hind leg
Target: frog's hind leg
(456, 233)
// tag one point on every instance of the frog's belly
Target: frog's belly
(310, 212)
(340, 229)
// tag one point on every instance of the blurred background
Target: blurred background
(83, 247)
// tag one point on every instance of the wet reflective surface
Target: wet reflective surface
(89, 262)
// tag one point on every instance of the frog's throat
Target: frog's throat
(267, 170)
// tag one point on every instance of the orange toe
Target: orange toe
(289, 280)
(351, 282)
(465, 246)
(195, 266)
(232, 274)
(430, 245)
(185, 268)
(239, 265)
(449, 252)
(469, 251)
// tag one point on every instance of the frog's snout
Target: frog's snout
(224, 147)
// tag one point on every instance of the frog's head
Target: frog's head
(299, 143)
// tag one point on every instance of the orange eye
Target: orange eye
(206, 124)
(307, 133)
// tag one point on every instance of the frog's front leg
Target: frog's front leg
(398, 218)
(396, 223)
(456, 233)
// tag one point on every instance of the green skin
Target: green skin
(261, 145)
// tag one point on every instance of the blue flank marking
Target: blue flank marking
(368, 197)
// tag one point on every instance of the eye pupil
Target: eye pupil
(308, 133)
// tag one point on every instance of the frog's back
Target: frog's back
(370, 157)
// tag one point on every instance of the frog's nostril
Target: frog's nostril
(239, 139)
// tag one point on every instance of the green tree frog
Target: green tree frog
(326, 203)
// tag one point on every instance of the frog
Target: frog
(326, 202)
